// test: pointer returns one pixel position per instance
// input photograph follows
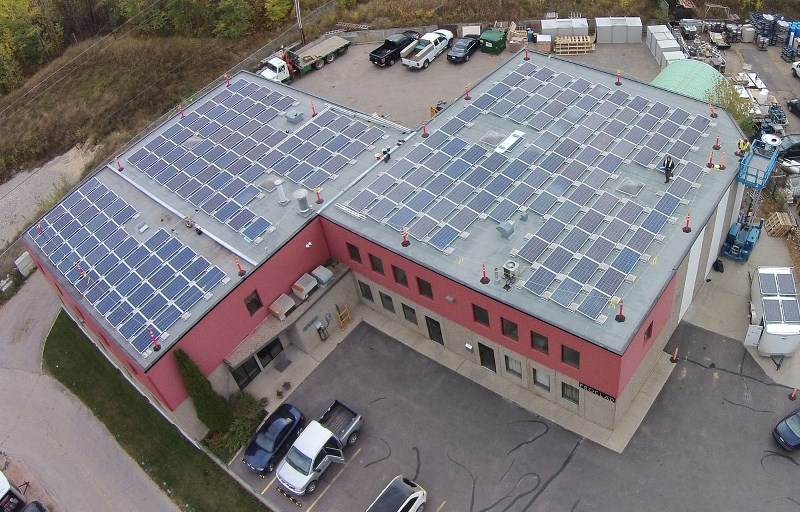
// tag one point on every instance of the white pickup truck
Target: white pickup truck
(428, 48)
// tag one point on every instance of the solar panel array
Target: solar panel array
(583, 133)
(779, 296)
(215, 156)
(141, 289)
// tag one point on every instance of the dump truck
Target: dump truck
(286, 65)
(318, 446)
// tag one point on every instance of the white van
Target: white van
(401, 495)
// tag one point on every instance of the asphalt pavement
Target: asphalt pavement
(64, 449)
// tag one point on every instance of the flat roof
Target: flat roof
(554, 172)
(148, 249)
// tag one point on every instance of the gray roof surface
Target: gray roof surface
(593, 220)
(120, 242)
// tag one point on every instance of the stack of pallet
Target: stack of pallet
(573, 45)
(779, 224)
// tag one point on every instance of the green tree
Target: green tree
(234, 19)
(724, 94)
(277, 10)
(212, 409)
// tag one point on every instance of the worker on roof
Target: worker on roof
(669, 166)
(741, 147)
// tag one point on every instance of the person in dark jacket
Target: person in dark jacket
(669, 166)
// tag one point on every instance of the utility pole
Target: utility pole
(299, 22)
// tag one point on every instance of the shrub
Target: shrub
(248, 413)
(212, 409)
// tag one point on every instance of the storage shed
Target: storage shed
(619, 30)
(565, 27)
(656, 29)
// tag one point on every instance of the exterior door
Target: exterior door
(246, 372)
(434, 330)
(487, 357)
(270, 352)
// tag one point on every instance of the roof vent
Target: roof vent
(510, 268)
(506, 229)
(630, 187)
(294, 116)
(301, 196)
(509, 142)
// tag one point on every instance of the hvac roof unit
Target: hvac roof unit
(304, 286)
(282, 306)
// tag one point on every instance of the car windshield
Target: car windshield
(461, 44)
(270, 66)
(789, 141)
(793, 422)
(266, 438)
(298, 461)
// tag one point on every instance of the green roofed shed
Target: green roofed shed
(690, 78)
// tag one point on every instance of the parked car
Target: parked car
(401, 495)
(35, 506)
(790, 146)
(273, 438)
(787, 432)
(394, 48)
(429, 46)
(794, 105)
(463, 48)
(796, 68)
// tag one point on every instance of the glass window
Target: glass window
(377, 264)
(366, 291)
(400, 276)
(570, 356)
(541, 379)
(513, 366)
(253, 303)
(480, 315)
(386, 300)
(355, 254)
(425, 288)
(410, 314)
(569, 393)
(510, 329)
(246, 372)
(539, 342)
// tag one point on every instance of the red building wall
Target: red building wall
(225, 326)
(599, 368)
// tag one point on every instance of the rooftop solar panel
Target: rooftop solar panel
(610, 281)
(540, 280)
(600, 249)
(503, 211)
(401, 218)
(532, 249)
(565, 293)
(654, 222)
(443, 237)
(593, 304)
(625, 260)
(422, 227)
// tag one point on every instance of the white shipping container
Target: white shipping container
(634, 29)
(668, 58)
(666, 45)
(655, 29)
(603, 30)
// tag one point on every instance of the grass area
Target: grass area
(193, 481)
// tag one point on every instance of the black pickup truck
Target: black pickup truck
(393, 48)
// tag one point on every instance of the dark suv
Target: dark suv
(790, 146)
(273, 438)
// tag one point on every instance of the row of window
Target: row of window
(542, 379)
(400, 277)
(539, 342)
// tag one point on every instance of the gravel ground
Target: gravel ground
(21, 197)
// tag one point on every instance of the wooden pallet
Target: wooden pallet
(779, 224)
(573, 45)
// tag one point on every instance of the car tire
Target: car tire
(330, 58)
(794, 72)
(450, 43)
(421, 508)
(466, 58)
(319, 64)
(425, 65)
(311, 487)
(390, 63)
(351, 440)
(270, 467)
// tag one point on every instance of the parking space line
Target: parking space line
(334, 479)
(269, 484)
(441, 506)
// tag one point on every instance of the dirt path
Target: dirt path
(21, 197)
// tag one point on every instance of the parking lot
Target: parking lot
(705, 445)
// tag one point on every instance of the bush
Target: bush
(248, 413)
(212, 409)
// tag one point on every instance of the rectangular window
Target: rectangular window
(514, 367)
(425, 288)
(510, 329)
(253, 303)
(648, 333)
(400, 276)
(539, 342)
(570, 356)
(410, 314)
(366, 291)
(569, 393)
(355, 254)
(480, 315)
(541, 379)
(377, 264)
(388, 303)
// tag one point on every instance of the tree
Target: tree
(277, 10)
(233, 19)
(724, 94)
(212, 409)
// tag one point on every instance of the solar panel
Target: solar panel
(590, 221)
(786, 284)
(605, 203)
(558, 259)
(691, 172)
(540, 280)
(543, 202)
(463, 219)
(654, 222)
(550, 229)
(456, 169)
(473, 154)
(791, 310)
(515, 169)
(767, 283)
(257, 228)
(459, 192)
(626, 260)
(210, 279)
(380, 210)
(444, 237)
(503, 211)
(667, 204)
(772, 309)
(438, 184)
(532, 249)
(600, 250)
(690, 136)
(401, 218)
(700, 123)
(640, 240)
(400, 192)
(566, 292)
(436, 139)
(679, 116)
(629, 212)
(567, 211)
(498, 185)
(615, 230)
(469, 113)
(610, 281)
(422, 227)
(593, 304)
(420, 200)
(645, 156)
(441, 209)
